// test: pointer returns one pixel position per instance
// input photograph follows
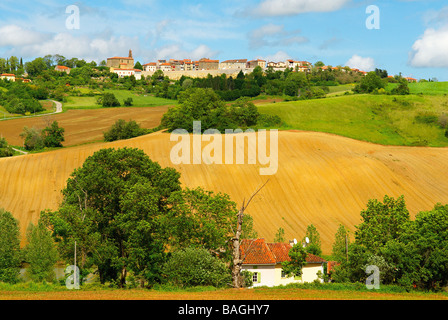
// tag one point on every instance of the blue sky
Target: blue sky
(412, 37)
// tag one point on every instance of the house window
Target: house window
(255, 277)
(283, 274)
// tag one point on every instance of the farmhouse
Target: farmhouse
(62, 69)
(264, 261)
(409, 79)
(8, 76)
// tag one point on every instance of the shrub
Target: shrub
(109, 100)
(128, 102)
(426, 118)
(53, 136)
(124, 130)
(33, 138)
(196, 267)
(5, 149)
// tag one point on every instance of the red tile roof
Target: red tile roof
(257, 251)
(127, 58)
(62, 67)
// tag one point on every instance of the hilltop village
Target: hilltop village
(174, 69)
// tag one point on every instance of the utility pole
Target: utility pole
(75, 267)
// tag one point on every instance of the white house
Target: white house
(152, 67)
(264, 261)
(128, 72)
(8, 76)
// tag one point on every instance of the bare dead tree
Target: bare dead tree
(237, 280)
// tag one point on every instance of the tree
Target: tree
(200, 218)
(5, 149)
(109, 100)
(111, 206)
(128, 102)
(196, 267)
(9, 248)
(40, 253)
(341, 243)
(297, 255)
(314, 245)
(138, 66)
(36, 67)
(280, 235)
(381, 222)
(53, 136)
(402, 88)
(430, 237)
(33, 138)
(237, 262)
(124, 130)
(370, 83)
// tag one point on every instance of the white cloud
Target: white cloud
(431, 49)
(67, 44)
(294, 7)
(13, 35)
(271, 35)
(276, 57)
(361, 63)
(176, 51)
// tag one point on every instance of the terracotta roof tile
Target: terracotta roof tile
(257, 251)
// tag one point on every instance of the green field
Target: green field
(382, 119)
(425, 88)
(139, 100)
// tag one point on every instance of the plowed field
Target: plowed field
(83, 126)
(322, 179)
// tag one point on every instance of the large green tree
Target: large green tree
(370, 83)
(200, 218)
(40, 253)
(111, 204)
(381, 222)
(9, 247)
(297, 255)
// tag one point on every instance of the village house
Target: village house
(233, 64)
(207, 64)
(281, 65)
(152, 67)
(8, 76)
(62, 69)
(128, 72)
(409, 79)
(256, 63)
(264, 260)
(121, 62)
(302, 66)
(165, 66)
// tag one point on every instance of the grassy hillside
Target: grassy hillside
(139, 100)
(382, 119)
(322, 179)
(426, 88)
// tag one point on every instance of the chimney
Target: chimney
(130, 53)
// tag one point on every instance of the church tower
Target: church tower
(130, 53)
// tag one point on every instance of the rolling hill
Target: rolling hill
(322, 179)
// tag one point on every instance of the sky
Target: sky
(401, 36)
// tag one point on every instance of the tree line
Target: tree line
(129, 218)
